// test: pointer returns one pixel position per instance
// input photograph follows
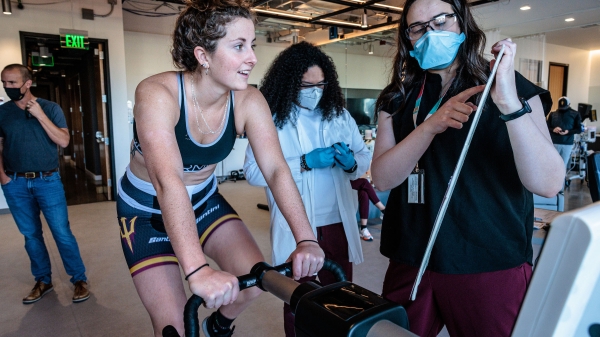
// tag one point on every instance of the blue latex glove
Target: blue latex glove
(344, 156)
(320, 158)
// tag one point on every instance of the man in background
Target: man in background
(30, 129)
(563, 124)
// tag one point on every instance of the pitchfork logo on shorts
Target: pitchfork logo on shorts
(128, 235)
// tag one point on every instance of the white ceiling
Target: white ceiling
(545, 16)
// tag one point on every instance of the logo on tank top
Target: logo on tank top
(128, 236)
(193, 168)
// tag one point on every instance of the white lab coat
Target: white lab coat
(294, 143)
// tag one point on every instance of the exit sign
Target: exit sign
(74, 41)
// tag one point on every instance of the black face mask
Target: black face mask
(15, 93)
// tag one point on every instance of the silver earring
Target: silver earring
(205, 66)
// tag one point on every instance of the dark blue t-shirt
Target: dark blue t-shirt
(27, 147)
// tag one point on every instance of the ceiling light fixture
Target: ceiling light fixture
(525, 8)
(341, 22)
(6, 9)
(280, 13)
(363, 23)
(371, 49)
(388, 6)
(569, 19)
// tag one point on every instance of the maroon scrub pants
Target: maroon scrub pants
(485, 304)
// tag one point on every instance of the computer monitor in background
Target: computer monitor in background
(584, 110)
(362, 110)
(563, 298)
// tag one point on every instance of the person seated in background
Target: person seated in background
(324, 150)
(366, 192)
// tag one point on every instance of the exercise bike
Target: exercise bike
(336, 310)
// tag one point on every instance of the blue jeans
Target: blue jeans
(565, 152)
(25, 198)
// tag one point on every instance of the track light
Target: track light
(363, 23)
(6, 9)
(371, 49)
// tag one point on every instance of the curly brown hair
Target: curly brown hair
(281, 84)
(203, 23)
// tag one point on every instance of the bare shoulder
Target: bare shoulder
(250, 99)
(157, 92)
(164, 85)
(251, 109)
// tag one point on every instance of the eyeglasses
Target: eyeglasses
(441, 22)
(305, 85)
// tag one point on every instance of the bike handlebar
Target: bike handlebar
(190, 313)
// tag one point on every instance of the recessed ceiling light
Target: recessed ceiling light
(525, 8)
(569, 19)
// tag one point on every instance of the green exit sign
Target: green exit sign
(74, 41)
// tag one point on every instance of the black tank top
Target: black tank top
(196, 156)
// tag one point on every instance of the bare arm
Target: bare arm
(308, 257)
(252, 172)
(58, 135)
(165, 169)
(539, 166)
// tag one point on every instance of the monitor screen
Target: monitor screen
(584, 110)
(563, 298)
(362, 110)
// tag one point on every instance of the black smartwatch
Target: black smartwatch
(526, 109)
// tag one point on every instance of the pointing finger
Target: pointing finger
(465, 95)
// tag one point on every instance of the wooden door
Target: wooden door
(557, 82)
(76, 122)
(102, 134)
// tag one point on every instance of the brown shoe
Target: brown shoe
(81, 292)
(39, 290)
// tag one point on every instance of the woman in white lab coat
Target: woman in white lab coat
(324, 149)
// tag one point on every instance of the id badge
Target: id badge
(416, 187)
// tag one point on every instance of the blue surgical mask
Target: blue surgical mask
(437, 49)
(309, 98)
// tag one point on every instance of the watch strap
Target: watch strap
(525, 109)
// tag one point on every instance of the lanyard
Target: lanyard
(418, 103)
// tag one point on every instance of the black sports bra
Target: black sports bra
(196, 156)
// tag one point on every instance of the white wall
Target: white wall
(148, 54)
(579, 71)
(145, 55)
(48, 19)
(594, 92)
